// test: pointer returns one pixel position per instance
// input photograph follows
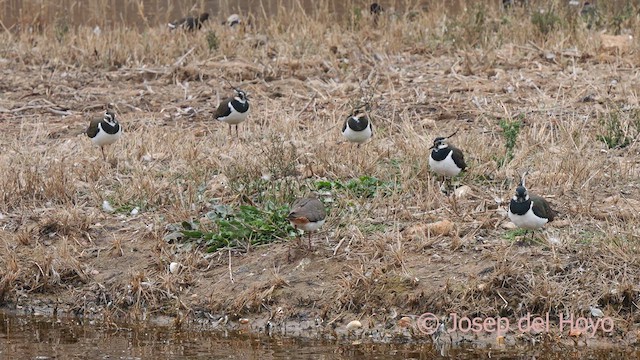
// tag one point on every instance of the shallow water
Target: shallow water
(38, 337)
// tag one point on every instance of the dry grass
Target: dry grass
(426, 73)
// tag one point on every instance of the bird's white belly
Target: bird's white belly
(235, 117)
(357, 136)
(311, 226)
(446, 167)
(103, 138)
(527, 221)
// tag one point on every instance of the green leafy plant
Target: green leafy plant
(510, 131)
(247, 225)
(61, 29)
(212, 40)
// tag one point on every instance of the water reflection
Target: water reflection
(36, 337)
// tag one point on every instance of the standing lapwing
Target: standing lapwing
(189, 23)
(233, 110)
(357, 128)
(104, 131)
(307, 214)
(446, 160)
(375, 9)
(529, 211)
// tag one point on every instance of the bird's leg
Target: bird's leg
(309, 240)
(230, 132)
(298, 237)
(443, 185)
(236, 130)
(104, 157)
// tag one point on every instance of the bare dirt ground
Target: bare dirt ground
(379, 259)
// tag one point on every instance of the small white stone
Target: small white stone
(355, 324)
(107, 207)
(174, 267)
(596, 312)
(462, 191)
(135, 211)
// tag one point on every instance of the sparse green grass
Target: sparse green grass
(362, 187)
(514, 234)
(545, 20)
(618, 128)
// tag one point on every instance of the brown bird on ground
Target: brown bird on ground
(307, 214)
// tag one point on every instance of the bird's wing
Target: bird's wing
(541, 208)
(458, 158)
(92, 130)
(223, 109)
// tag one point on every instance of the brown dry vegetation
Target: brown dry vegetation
(426, 73)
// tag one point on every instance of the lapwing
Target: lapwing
(307, 214)
(529, 211)
(375, 9)
(357, 128)
(509, 3)
(233, 110)
(232, 20)
(104, 131)
(189, 23)
(445, 159)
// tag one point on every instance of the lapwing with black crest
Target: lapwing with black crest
(104, 131)
(445, 159)
(307, 214)
(357, 128)
(233, 110)
(190, 23)
(375, 9)
(528, 211)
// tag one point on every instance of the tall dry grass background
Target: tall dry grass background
(426, 69)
